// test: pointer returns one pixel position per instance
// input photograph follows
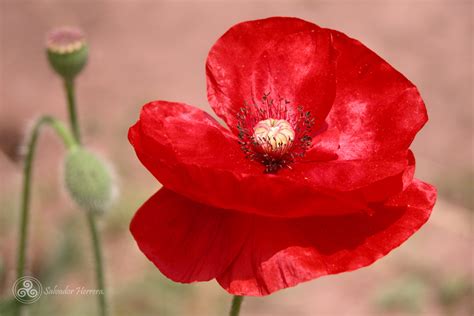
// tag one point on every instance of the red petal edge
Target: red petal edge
(254, 255)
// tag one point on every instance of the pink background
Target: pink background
(146, 50)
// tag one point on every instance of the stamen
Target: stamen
(273, 133)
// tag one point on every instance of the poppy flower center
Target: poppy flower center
(274, 133)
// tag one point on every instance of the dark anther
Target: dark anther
(284, 154)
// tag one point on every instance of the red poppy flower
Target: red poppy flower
(313, 175)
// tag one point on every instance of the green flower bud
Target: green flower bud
(67, 51)
(88, 180)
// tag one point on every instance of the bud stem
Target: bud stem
(70, 143)
(235, 307)
(71, 102)
(96, 243)
(99, 273)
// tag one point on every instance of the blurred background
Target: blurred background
(146, 50)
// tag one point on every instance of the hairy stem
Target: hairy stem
(69, 142)
(99, 273)
(235, 307)
(96, 243)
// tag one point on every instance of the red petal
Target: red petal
(349, 175)
(377, 110)
(191, 154)
(286, 57)
(170, 132)
(282, 253)
(176, 142)
(380, 190)
(324, 146)
(185, 240)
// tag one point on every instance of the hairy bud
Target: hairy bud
(88, 180)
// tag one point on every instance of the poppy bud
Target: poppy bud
(67, 51)
(88, 180)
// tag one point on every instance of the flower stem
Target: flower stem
(235, 307)
(99, 273)
(71, 102)
(96, 243)
(69, 142)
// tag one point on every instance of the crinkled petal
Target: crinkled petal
(376, 110)
(255, 255)
(287, 58)
(191, 154)
(187, 241)
(282, 253)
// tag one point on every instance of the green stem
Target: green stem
(96, 244)
(69, 142)
(99, 273)
(236, 303)
(71, 102)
